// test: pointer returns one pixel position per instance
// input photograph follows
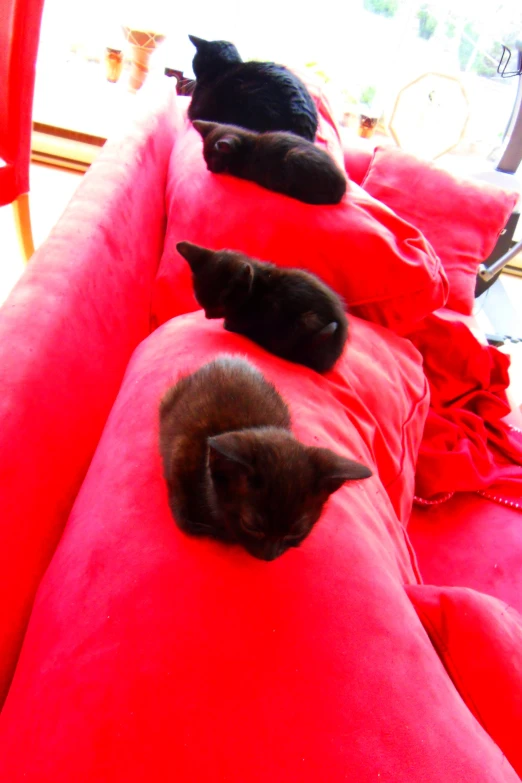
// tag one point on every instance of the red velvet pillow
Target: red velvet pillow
(461, 218)
(153, 656)
(383, 267)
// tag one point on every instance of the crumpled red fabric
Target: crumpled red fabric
(467, 444)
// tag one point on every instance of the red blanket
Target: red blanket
(468, 445)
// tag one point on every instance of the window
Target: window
(365, 51)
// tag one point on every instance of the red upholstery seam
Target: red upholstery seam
(413, 557)
(411, 415)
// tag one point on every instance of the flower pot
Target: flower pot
(367, 126)
(143, 43)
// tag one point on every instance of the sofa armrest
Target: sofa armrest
(66, 334)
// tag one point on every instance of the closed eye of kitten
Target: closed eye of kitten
(289, 312)
(236, 472)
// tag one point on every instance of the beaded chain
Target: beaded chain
(482, 492)
(436, 502)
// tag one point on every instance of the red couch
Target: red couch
(132, 652)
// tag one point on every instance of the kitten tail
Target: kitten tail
(327, 331)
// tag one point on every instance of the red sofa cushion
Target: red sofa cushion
(151, 655)
(382, 266)
(461, 218)
(469, 541)
(479, 640)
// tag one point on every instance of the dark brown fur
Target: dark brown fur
(289, 312)
(281, 162)
(234, 470)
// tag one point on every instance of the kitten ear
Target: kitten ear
(194, 254)
(198, 42)
(333, 470)
(228, 456)
(203, 127)
(227, 144)
(240, 286)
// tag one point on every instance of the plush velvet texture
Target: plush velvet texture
(479, 641)
(66, 334)
(470, 542)
(467, 443)
(151, 655)
(461, 218)
(338, 243)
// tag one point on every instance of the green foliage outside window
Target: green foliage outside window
(382, 7)
(427, 22)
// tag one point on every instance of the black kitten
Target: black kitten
(289, 312)
(259, 96)
(233, 468)
(277, 161)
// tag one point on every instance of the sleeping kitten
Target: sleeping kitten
(234, 470)
(277, 161)
(259, 96)
(289, 312)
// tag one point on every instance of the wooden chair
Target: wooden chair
(19, 35)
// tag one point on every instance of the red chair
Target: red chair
(19, 35)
